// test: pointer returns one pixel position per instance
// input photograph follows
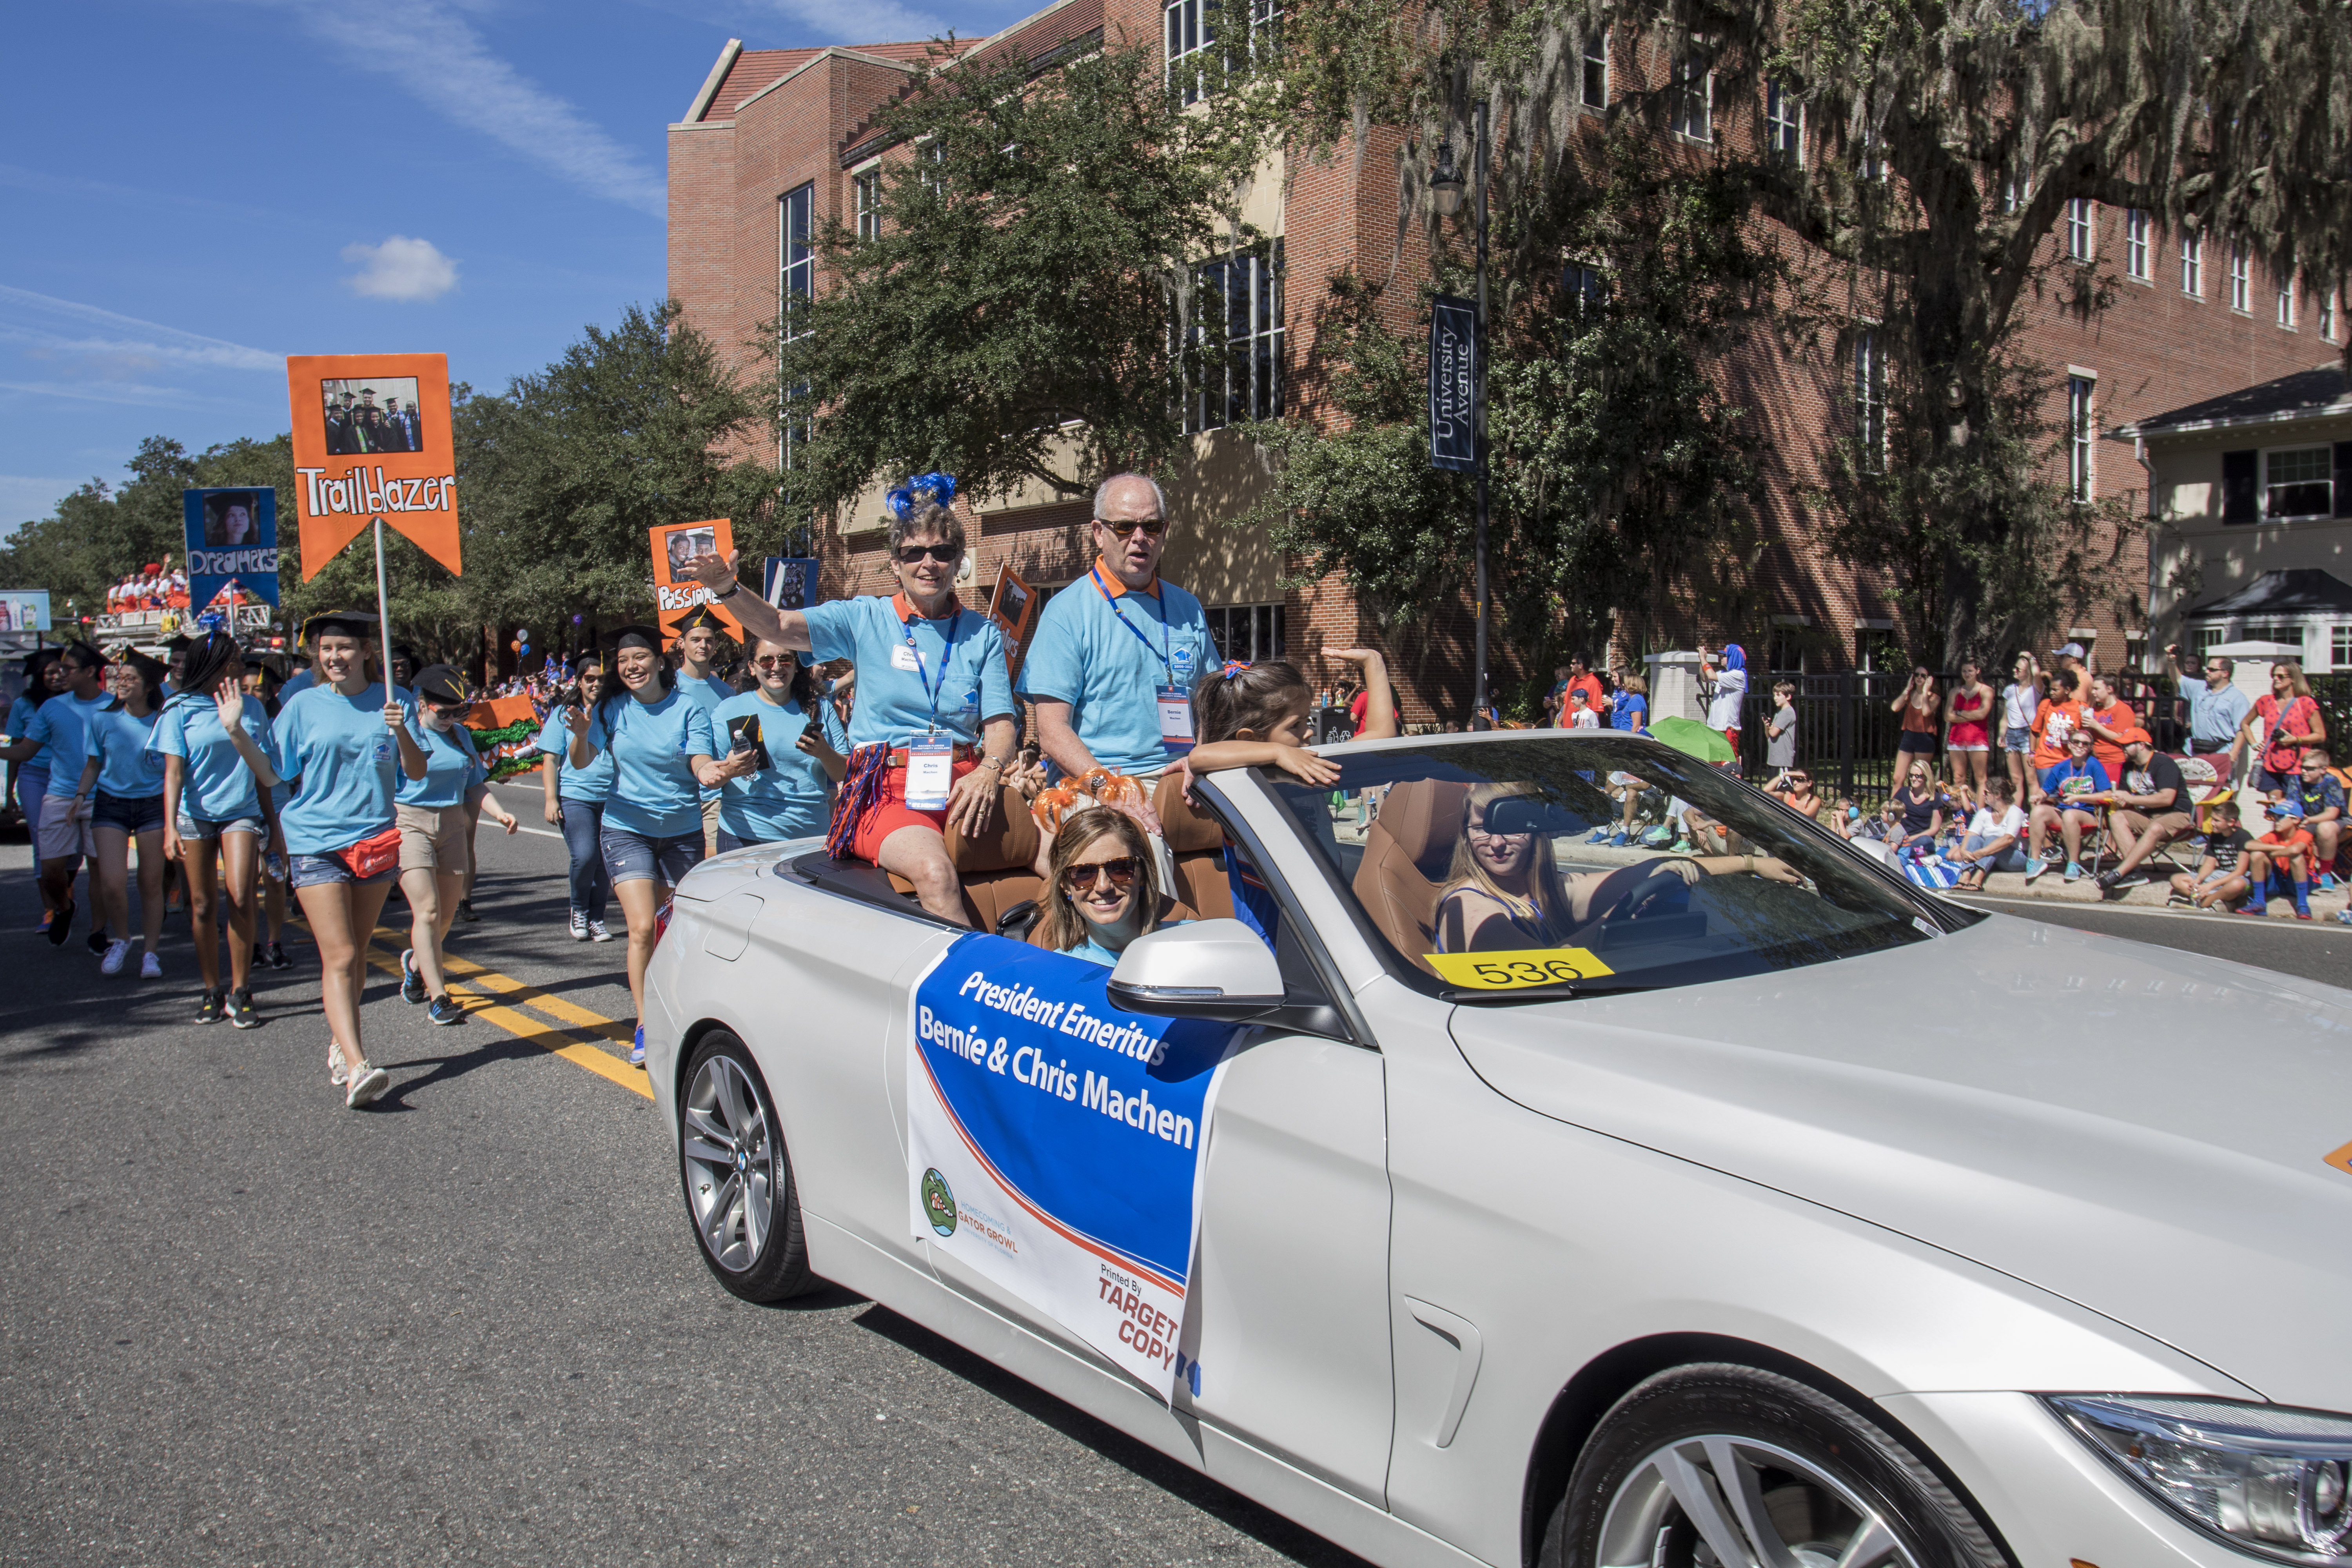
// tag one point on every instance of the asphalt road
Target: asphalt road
(243, 1325)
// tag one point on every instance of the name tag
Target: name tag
(1175, 718)
(903, 657)
(930, 762)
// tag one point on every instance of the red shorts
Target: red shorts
(891, 813)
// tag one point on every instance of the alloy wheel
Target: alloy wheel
(728, 1148)
(1717, 1502)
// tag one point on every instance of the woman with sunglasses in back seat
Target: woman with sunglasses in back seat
(932, 731)
(1103, 889)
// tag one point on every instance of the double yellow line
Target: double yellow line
(578, 1035)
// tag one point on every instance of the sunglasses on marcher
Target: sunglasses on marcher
(1154, 526)
(909, 554)
(774, 661)
(1079, 879)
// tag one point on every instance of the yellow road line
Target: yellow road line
(565, 1043)
(538, 1000)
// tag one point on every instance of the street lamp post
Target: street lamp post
(1445, 189)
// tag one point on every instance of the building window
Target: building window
(1690, 104)
(796, 286)
(1198, 62)
(2015, 193)
(1784, 651)
(1582, 287)
(1784, 123)
(2241, 279)
(2339, 650)
(2288, 632)
(867, 189)
(2081, 431)
(2136, 248)
(1870, 400)
(2298, 483)
(1874, 159)
(2078, 229)
(1247, 632)
(2328, 317)
(1241, 298)
(2286, 302)
(1596, 71)
(2192, 262)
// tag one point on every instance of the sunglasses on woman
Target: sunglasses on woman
(908, 554)
(774, 661)
(1079, 879)
(1154, 526)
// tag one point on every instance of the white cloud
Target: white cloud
(401, 268)
(434, 54)
(862, 21)
(55, 327)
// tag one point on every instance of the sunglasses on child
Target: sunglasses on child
(1154, 526)
(1078, 878)
(908, 554)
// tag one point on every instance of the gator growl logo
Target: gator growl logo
(939, 1203)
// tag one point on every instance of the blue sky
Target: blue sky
(193, 189)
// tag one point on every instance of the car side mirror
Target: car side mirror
(1217, 970)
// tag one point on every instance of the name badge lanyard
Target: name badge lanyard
(930, 760)
(1174, 702)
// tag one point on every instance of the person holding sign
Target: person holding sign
(698, 677)
(436, 835)
(1102, 890)
(212, 815)
(932, 731)
(337, 740)
(663, 751)
(798, 750)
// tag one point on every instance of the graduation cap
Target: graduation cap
(151, 670)
(349, 623)
(180, 643)
(439, 683)
(700, 615)
(620, 638)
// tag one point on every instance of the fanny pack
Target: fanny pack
(373, 854)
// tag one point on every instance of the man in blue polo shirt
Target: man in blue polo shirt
(1112, 666)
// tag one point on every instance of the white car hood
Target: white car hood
(2138, 1129)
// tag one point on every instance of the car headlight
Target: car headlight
(2271, 1480)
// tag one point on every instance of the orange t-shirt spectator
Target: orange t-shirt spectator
(1583, 691)
(2107, 711)
(2058, 717)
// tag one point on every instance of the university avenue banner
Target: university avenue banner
(1054, 1144)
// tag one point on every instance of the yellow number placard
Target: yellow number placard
(1510, 970)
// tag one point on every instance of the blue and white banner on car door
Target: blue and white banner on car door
(1054, 1144)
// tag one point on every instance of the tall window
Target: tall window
(2081, 429)
(2299, 483)
(2242, 278)
(1873, 167)
(2078, 229)
(1596, 70)
(1784, 123)
(1870, 400)
(2136, 260)
(1690, 109)
(2192, 262)
(1583, 287)
(796, 286)
(1239, 300)
(2286, 302)
(1208, 39)
(867, 190)
(1247, 632)
(2328, 317)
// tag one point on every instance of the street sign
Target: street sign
(1453, 383)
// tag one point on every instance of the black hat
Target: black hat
(700, 615)
(351, 623)
(180, 643)
(402, 650)
(151, 670)
(620, 638)
(439, 683)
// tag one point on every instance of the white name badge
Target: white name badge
(1175, 718)
(903, 657)
(930, 766)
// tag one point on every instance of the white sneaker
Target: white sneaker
(335, 1072)
(597, 933)
(367, 1083)
(150, 967)
(116, 952)
(579, 926)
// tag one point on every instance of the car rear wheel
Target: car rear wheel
(738, 1179)
(1722, 1466)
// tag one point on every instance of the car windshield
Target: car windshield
(1509, 869)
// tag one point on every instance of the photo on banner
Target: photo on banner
(1012, 607)
(789, 581)
(23, 609)
(232, 539)
(372, 440)
(676, 592)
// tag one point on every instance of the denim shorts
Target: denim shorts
(310, 870)
(633, 857)
(205, 828)
(130, 814)
(2017, 738)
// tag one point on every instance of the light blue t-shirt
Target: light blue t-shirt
(705, 692)
(654, 792)
(214, 784)
(590, 785)
(451, 767)
(791, 797)
(962, 658)
(62, 724)
(1110, 673)
(20, 714)
(1094, 951)
(118, 740)
(348, 763)
(301, 680)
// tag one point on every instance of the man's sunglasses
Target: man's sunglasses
(1154, 526)
(909, 554)
(1078, 878)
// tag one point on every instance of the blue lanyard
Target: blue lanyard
(1165, 643)
(947, 655)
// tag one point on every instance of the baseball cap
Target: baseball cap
(2072, 650)
(2141, 736)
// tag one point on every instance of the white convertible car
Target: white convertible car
(1755, 1212)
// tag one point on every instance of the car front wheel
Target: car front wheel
(1721, 1465)
(738, 1179)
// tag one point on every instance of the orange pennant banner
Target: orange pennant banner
(372, 440)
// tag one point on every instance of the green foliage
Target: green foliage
(1010, 323)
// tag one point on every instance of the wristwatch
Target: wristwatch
(733, 588)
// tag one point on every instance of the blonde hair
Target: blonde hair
(2294, 676)
(1062, 927)
(1543, 872)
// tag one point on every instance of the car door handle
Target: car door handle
(1463, 1336)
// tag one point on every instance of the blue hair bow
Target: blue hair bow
(935, 487)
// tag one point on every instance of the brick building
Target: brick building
(776, 141)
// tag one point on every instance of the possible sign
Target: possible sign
(676, 592)
(372, 440)
(1013, 607)
(232, 538)
(1454, 383)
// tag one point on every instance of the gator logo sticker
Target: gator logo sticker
(2342, 1159)
(939, 1204)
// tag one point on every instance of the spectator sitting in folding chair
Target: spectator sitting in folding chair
(2069, 804)
(2282, 860)
(2217, 882)
(1992, 841)
(2148, 810)
(2321, 795)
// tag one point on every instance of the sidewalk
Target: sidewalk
(2052, 886)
